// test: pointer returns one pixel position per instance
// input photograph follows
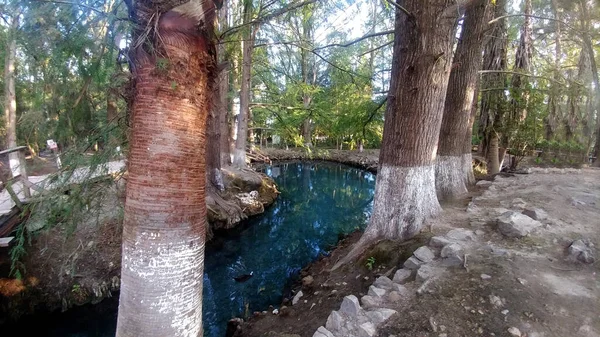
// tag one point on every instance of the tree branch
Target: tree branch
(348, 44)
(268, 17)
(395, 4)
(532, 16)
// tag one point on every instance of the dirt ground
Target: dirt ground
(528, 284)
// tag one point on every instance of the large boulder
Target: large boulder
(516, 225)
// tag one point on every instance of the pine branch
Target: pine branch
(348, 44)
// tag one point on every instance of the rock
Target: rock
(402, 290)
(379, 316)
(516, 225)
(426, 272)
(460, 234)
(518, 203)
(484, 183)
(496, 301)
(322, 332)
(479, 232)
(376, 292)
(424, 254)
(394, 296)
(366, 330)
(582, 250)
(453, 249)
(412, 263)
(504, 312)
(307, 281)
(452, 255)
(383, 282)
(536, 213)
(485, 277)
(276, 312)
(369, 301)
(350, 306)
(335, 321)
(297, 297)
(514, 332)
(438, 241)
(402, 276)
(472, 208)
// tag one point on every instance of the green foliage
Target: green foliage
(370, 263)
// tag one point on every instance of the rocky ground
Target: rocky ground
(66, 266)
(515, 258)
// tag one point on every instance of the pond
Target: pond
(318, 203)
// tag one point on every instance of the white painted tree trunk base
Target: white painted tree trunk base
(404, 199)
(239, 158)
(178, 299)
(451, 176)
(468, 169)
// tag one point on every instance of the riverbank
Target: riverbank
(366, 160)
(66, 267)
(514, 258)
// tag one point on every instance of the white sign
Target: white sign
(52, 144)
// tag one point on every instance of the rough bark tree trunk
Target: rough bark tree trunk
(405, 191)
(588, 46)
(493, 157)
(165, 212)
(453, 163)
(494, 83)
(10, 96)
(213, 144)
(555, 96)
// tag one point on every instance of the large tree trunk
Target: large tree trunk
(405, 192)
(451, 173)
(589, 48)
(10, 96)
(213, 144)
(493, 81)
(239, 155)
(165, 213)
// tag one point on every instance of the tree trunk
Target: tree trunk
(223, 101)
(453, 165)
(239, 155)
(10, 97)
(555, 96)
(520, 84)
(405, 192)
(493, 84)
(213, 144)
(589, 48)
(493, 158)
(165, 213)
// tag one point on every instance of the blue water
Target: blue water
(318, 202)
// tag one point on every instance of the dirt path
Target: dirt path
(528, 286)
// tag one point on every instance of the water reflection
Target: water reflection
(318, 202)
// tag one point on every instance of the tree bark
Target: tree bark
(493, 157)
(165, 213)
(223, 101)
(405, 191)
(239, 155)
(451, 173)
(213, 144)
(10, 96)
(493, 101)
(588, 46)
(555, 96)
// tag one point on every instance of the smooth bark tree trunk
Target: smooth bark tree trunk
(493, 157)
(405, 191)
(239, 155)
(452, 171)
(223, 87)
(165, 213)
(10, 96)
(223, 108)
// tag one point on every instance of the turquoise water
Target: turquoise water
(318, 202)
